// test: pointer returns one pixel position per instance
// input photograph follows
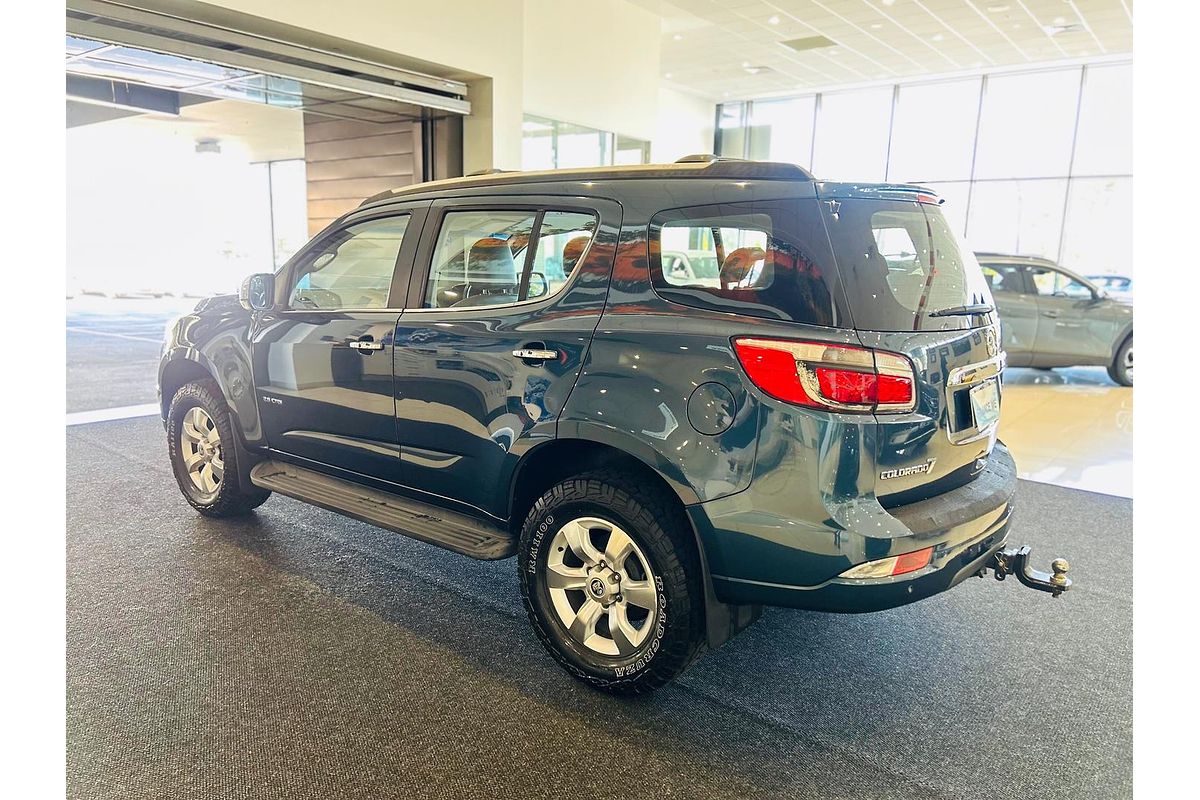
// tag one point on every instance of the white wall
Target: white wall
(683, 126)
(592, 63)
(479, 38)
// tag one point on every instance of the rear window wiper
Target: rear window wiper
(962, 311)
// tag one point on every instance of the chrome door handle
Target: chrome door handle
(536, 355)
(368, 345)
(1051, 314)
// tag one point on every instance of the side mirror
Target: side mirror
(257, 292)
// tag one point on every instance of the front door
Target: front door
(500, 314)
(1071, 327)
(323, 357)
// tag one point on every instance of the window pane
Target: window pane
(563, 239)
(1052, 283)
(1104, 145)
(352, 268)
(1027, 125)
(768, 259)
(1004, 278)
(731, 134)
(474, 263)
(933, 136)
(1018, 217)
(580, 147)
(781, 130)
(852, 135)
(632, 151)
(537, 144)
(1099, 236)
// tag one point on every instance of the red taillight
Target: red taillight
(831, 376)
(911, 562)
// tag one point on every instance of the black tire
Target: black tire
(230, 497)
(656, 524)
(1121, 369)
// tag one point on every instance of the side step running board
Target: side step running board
(453, 531)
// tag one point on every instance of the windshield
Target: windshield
(901, 264)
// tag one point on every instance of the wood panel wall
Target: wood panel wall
(348, 161)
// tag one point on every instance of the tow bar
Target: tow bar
(1015, 561)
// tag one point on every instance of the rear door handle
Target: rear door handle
(366, 346)
(1051, 314)
(534, 354)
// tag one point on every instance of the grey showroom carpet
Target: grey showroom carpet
(298, 654)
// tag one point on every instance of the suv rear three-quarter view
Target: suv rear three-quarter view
(677, 393)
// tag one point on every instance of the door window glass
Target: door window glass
(1004, 278)
(351, 268)
(1052, 283)
(482, 258)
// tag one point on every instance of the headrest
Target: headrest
(572, 251)
(737, 265)
(491, 260)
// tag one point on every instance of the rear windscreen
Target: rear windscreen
(763, 259)
(899, 262)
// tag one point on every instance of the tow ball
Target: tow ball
(1015, 561)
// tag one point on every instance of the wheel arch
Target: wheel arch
(557, 459)
(177, 371)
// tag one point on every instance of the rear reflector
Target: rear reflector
(830, 376)
(889, 567)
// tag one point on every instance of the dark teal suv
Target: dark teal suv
(502, 365)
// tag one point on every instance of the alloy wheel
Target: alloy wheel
(601, 586)
(200, 446)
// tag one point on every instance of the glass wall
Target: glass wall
(1036, 162)
(550, 144)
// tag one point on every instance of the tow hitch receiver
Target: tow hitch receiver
(1015, 561)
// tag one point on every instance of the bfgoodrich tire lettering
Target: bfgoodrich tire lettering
(662, 640)
(199, 425)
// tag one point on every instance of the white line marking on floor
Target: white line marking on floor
(95, 332)
(108, 414)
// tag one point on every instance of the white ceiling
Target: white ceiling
(707, 45)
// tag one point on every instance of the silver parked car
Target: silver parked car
(1053, 317)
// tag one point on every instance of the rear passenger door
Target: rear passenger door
(504, 299)
(1018, 309)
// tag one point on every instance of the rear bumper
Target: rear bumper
(757, 556)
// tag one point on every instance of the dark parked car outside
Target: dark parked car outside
(504, 365)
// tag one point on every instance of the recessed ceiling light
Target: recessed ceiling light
(1016, 26)
(937, 37)
(667, 76)
(834, 51)
(889, 2)
(876, 25)
(678, 37)
(999, 9)
(772, 20)
(1055, 30)
(1060, 21)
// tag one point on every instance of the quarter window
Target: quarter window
(766, 259)
(351, 268)
(485, 258)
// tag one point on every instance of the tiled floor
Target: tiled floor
(1070, 427)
